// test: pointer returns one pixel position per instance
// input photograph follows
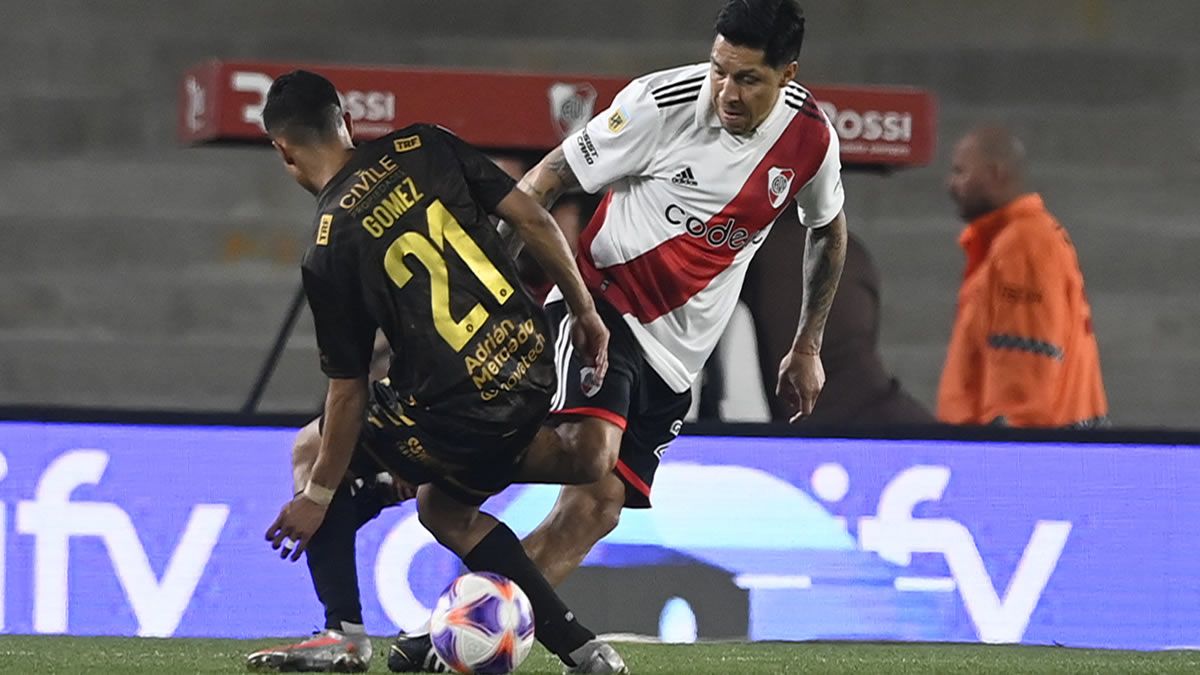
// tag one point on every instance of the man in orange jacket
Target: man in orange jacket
(1022, 352)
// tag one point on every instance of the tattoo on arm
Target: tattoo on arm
(549, 179)
(823, 259)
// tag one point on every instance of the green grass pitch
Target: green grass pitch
(69, 655)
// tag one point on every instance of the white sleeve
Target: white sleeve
(819, 202)
(618, 142)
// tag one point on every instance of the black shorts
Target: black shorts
(471, 464)
(634, 397)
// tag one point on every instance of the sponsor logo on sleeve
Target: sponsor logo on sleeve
(407, 143)
(584, 141)
(323, 229)
(617, 120)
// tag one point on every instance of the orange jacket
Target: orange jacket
(1022, 352)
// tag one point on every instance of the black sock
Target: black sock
(331, 561)
(554, 625)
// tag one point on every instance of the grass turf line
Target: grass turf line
(121, 656)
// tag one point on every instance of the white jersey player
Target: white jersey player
(698, 162)
(689, 204)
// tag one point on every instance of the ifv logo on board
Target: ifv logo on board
(53, 519)
(895, 535)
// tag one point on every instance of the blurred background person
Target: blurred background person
(1022, 351)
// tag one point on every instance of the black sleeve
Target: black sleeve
(488, 183)
(345, 331)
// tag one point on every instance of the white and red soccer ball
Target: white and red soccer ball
(482, 624)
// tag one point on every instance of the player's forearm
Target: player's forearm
(512, 242)
(824, 256)
(345, 405)
(544, 183)
(549, 179)
(549, 247)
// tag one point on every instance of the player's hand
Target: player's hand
(294, 527)
(590, 337)
(801, 379)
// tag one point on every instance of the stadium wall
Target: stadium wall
(142, 275)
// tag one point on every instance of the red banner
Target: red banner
(221, 102)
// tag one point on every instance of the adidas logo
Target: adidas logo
(685, 177)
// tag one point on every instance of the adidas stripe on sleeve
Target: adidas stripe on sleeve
(822, 198)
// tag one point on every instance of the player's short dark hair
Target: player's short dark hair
(774, 26)
(303, 106)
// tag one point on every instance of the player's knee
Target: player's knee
(597, 464)
(597, 507)
(595, 445)
(432, 524)
(607, 513)
(452, 524)
(438, 524)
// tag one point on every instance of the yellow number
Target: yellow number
(429, 251)
(442, 224)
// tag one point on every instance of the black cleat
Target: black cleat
(415, 654)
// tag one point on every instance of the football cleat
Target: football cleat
(330, 651)
(415, 654)
(597, 657)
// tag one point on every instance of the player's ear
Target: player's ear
(349, 123)
(284, 152)
(788, 74)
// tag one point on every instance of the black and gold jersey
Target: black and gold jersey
(404, 243)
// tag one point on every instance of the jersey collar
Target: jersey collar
(340, 177)
(706, 115)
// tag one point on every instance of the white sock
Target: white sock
(357, 634)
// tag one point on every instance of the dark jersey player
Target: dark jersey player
(404, 244)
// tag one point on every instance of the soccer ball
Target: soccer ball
(483, 623)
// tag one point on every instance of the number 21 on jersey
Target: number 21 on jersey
(445, 230)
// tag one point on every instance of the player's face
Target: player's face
(744, 87)
(969, 180)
